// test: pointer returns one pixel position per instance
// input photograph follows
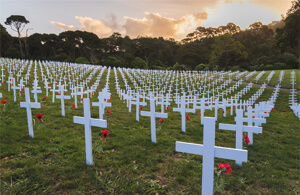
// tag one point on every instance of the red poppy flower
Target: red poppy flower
(81, 99)
(57, 93)
(3, 102)
(40, 117)
(5, 89)
(65, 93)
(233, 107)
(168, 108)
(92, 95)
(246, 138)
(272, 110)
(265, 112)
(123, 100)
(199, 113)
(223, 111)
(253, 116)
(45, 97)
(21, 92)
(188, 117)
(229, 110)
(225, 167)
(104, 134)
(161, 120)
(108, 111)
(141, 107)
(74, 105)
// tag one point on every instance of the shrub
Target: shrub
(138, 63)
(178, 66)
(200, 67)
(82, 60)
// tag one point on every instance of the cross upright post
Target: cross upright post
(62, 98)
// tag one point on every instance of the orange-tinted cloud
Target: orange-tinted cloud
(101, 28)
(155, 25)
(63, 26)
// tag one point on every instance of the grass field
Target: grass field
(53, 162)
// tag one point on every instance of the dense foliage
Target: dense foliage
(259, 47)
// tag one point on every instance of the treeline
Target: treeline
(260, 47)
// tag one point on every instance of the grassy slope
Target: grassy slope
(54, 160)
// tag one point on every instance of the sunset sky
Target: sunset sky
(166, 18)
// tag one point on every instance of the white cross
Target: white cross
(182, 111)
(209, 151)
(46, 87)
(152, 114)
(14, 87)
(102, 104)
(28, 105)
(54, 90)
(62, 98)
(250, 121)
(136, 101)
(163, 102)
(35, 90)
(88, 122)
(239, 128)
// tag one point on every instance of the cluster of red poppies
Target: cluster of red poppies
(246, 138)
(225, 167)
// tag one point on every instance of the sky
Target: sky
(154, 18)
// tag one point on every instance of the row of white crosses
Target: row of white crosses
(293, 98)
(281, 76)
(259, 76)
(216, 106)
(250, 75)
(270, 76)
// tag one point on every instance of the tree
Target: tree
(288, 37)
(82, 60)
(17, 24)
(138, 63)
(5, 39)
(89, 41)
(226, 50)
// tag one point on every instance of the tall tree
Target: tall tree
(288, 37)
(5, 39)
(17, 24)
(226, 51)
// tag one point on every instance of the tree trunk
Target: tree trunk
(22, 55)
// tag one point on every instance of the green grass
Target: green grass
(53, 162)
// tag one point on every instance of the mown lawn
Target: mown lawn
(53, 162)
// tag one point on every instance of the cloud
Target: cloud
(155, 25)
(102, 28)
(63, 26)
